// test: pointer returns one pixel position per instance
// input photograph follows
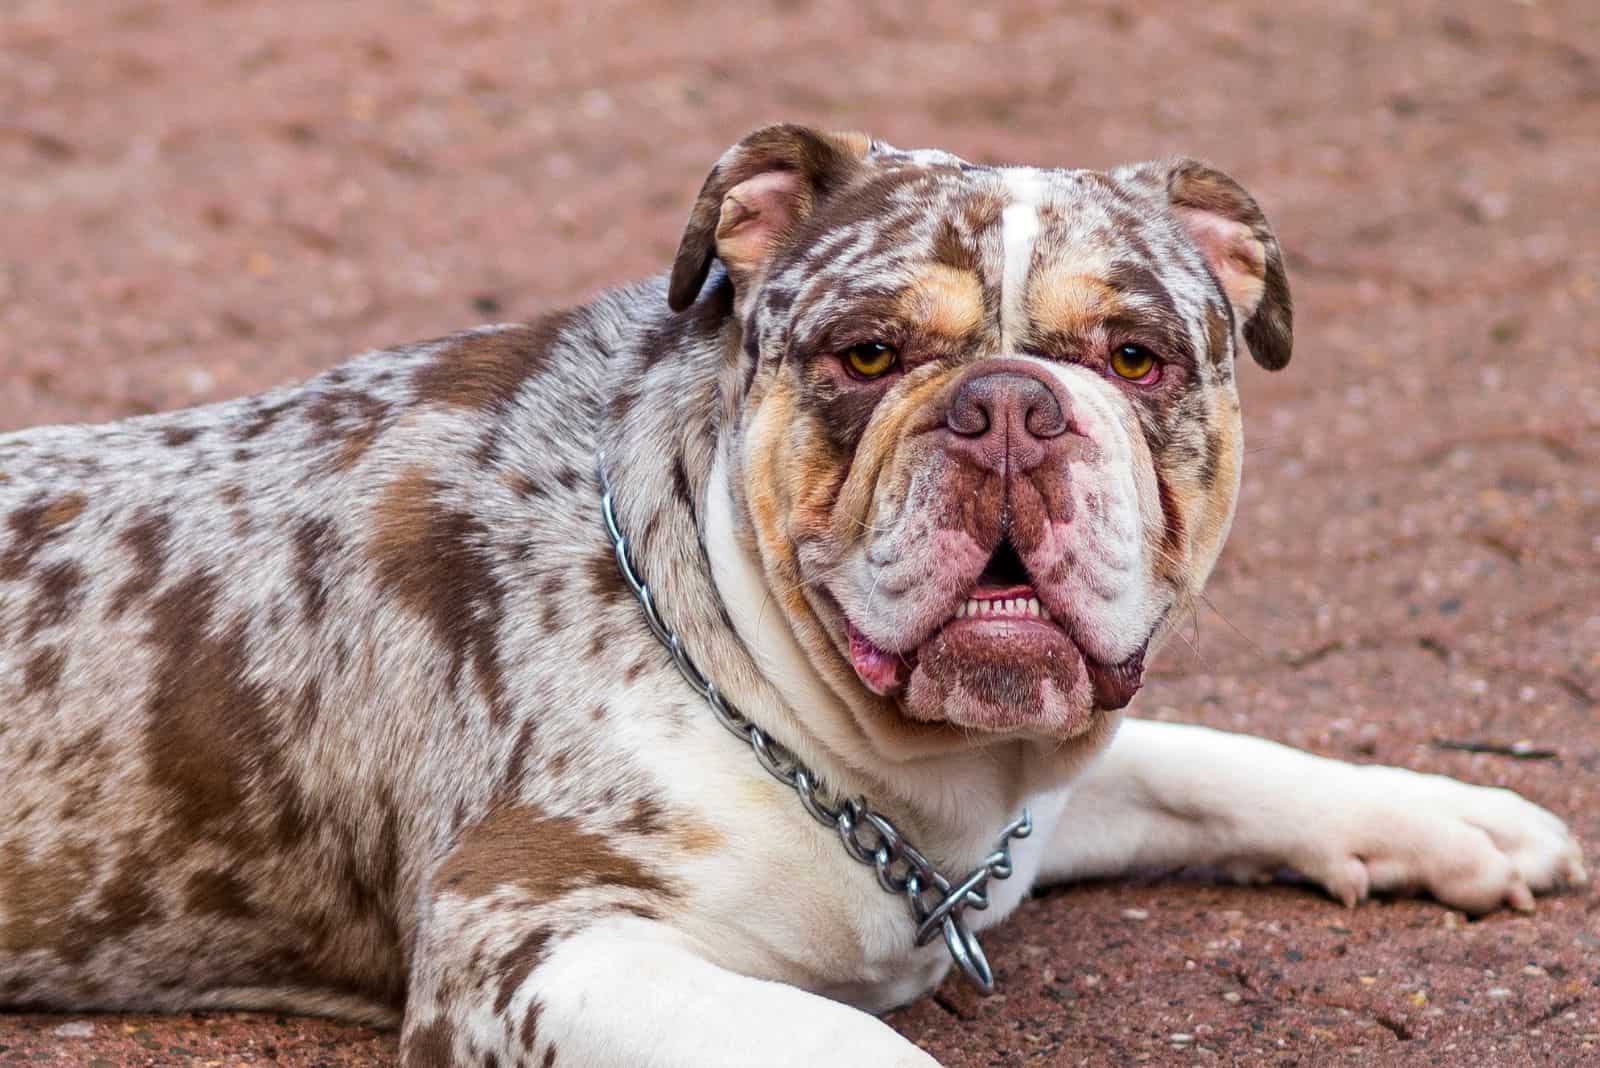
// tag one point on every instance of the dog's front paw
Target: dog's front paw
(1471, 847)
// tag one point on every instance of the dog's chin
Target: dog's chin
(1002, 676)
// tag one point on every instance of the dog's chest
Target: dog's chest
(780, 895)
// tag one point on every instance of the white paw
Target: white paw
(1472, 847)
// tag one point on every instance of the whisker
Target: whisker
(1248, 640)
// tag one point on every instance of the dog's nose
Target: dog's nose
(1007, 418)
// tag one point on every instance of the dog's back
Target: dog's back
(205, 620)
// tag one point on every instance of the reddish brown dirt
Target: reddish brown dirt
(205, 197)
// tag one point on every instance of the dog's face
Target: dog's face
(990, 443)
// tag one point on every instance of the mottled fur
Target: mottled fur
(332, 699)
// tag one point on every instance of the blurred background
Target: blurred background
(201, 198)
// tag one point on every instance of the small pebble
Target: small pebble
(1136, 914)
(75, 1029)
(1499, 992)
(1232, 997)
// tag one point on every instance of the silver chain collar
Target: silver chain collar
(937, 903)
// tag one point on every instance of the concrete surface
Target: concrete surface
(199, 198)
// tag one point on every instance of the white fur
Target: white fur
(629, 994)
(1019, 227)
(1167, 795)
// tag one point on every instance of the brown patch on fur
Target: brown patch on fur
(178, 436)
(42, 673)
(46, 906)
(1216, 509)
(39, 895)
(314, 542)
(517, 764)
(64, 510)
(944, 300)
(33, 526)
(433, 1046)
(146, 539)
(854, 142)
(52, 602)
(207, 734)
(437, 561)
(764, 481)
(647, 818)
(262, 420)
(330, 410)
(541, 856)
(982, 211)
(190, 751)
(1171, 556)
(521, 484)
(518, 964)
(558, 763)
(217, 893)
(484, 371)
(693, 836)
(530, 1024)
(337, 413)
(356, 445)
(606, 577)
(953, 249)
(1219, 333)
(1066, 303)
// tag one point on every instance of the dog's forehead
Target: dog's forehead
(1091, 207)
(1012, 227)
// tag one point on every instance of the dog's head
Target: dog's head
(989, 444)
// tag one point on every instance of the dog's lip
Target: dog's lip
(883, 672)
(887, 672)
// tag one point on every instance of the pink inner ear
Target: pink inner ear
(754, 213)
(1234, 253)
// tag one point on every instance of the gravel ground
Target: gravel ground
(202, 198)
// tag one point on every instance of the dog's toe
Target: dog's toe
(1473, 848)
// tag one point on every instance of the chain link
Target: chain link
(937, 904)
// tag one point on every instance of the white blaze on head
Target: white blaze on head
(1019, 226)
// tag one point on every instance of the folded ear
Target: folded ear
(757, 193)
(1241, 249)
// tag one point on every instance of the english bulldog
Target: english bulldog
(351, 698)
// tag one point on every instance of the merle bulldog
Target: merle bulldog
(351, 698)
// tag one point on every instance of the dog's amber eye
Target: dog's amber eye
(1132, 362)
(873, 359)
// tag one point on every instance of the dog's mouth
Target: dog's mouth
(1001, 625)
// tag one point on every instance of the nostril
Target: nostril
(1044, 418)
(968, 416)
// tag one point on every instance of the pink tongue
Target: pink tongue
(885, 673)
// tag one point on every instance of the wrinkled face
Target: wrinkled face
(991, 444)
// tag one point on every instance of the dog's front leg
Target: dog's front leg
(499, 987)
(1168, 795)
